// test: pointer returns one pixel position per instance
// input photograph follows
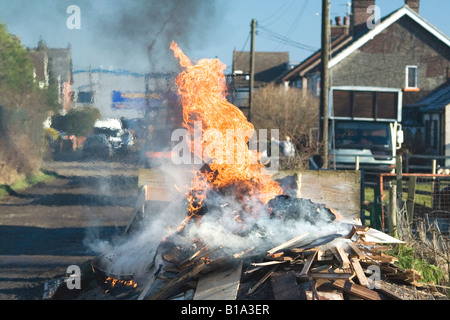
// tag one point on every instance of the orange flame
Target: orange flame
(113, 282)
(225, 134)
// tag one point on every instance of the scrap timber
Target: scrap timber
(306, 267)
(341, 269)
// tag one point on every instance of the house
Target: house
(402, 50)
(427, 127)
(39, 60)
(60, 61)
(268, 67)
(54, 66)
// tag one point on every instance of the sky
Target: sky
(135, 35)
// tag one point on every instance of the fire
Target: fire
(225, 134)
(111, 282)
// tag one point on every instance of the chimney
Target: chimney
(360, 16)
(339, 28)
(413, 5)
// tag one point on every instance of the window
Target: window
(411, 77)
(85, 97)
(351, 135)
(242, 97)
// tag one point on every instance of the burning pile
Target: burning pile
(235, 210)
(231, 165)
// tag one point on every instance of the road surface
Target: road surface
(47, 228)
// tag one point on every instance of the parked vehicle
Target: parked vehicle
(97, 146)
(364, 124)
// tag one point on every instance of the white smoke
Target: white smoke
(224, 225)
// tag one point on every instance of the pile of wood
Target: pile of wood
(342, 269)
(345, 268)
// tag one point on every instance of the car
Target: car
(97, 145)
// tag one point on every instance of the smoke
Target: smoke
(124, 34)
(144, 28)
(225, 225)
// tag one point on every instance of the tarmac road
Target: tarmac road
(46, 228)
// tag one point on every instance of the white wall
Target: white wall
(103, 83)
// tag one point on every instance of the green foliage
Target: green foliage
(407, 260)
(16, 69)
(79, 122)
(23, 108)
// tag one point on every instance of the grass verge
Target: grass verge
(42, 176)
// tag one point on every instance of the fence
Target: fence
(423, 163)
(427, 196)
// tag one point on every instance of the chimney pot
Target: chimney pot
(338, 21)
(413, 5)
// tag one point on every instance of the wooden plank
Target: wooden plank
(330, 295)
(139, 208)
(160, 185)
(291, 243)
(262, 280)
(357, 251)
(284, 286)
(308, 263)
(327, 275)
(176, 283)
(307, 290)
(357, 290)
(266, 263)
(157, 194)
(411, 198)
(219, 285)
(150, 283)
(344, 258)
(326, 291)
(340, 190)
(359, 272)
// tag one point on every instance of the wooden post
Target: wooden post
(392, 218)
(252, 68)
(411, 198)
(324, 80)
(407, 161)
(398, 171)
(435, 187)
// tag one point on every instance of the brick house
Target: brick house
(54, 65)
(402, 50)
(268, 67)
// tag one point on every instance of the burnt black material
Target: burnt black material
(292, 208)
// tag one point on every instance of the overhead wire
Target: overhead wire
(277, 14)
(284, 40)
(243, 47)
(295, 23)
(272, 35)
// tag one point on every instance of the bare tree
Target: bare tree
(294, 113)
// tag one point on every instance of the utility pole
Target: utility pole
(252, 68)
(324, 81)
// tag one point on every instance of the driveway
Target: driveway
(49, 227)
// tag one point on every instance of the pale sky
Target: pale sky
(118, 33)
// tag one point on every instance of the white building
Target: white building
(116, 93)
